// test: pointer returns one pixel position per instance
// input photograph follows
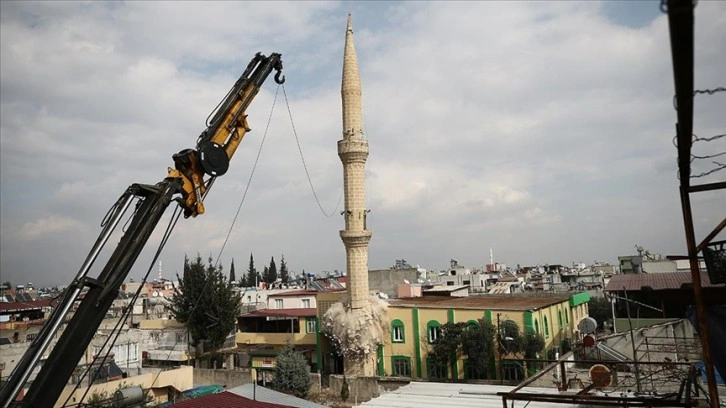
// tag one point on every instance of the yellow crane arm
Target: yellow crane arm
(225, 129)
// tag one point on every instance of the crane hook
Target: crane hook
(278, 79)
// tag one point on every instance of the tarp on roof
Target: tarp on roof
(202, 390)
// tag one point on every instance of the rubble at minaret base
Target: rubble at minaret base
(357, 333)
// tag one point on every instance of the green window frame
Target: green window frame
(401, 366)
(436, 371)
(536, 326)
(559, 317)
(398, 334)
(433, 331)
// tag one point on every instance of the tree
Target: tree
(270, 273)
(265, 275)
(205, 302)
(293, 372)
(534, 344)
(511, 340)
(232, 278)
(599, 308)
(476, 341)
(252, 276)
(284, 274)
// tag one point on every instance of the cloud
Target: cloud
(541, 129)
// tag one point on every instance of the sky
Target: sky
(542, 130)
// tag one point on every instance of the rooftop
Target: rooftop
(480, 302)
(283, 313)
(275, 397)
(657, 281)
(299, 292)
(224, 400)
(431, 394)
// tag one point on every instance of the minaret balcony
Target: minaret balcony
(351, 151)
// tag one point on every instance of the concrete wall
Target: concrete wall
(228, 378)
(179, 378)
(385, 280)
(364, 389)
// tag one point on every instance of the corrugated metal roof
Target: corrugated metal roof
(272, 396)
(20, 306)
(225, 400)
(435, 395)
(656, 281)
(480, 302)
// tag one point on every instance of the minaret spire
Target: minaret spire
(350, 88)
(353, 153)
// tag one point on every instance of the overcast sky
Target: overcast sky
(540, 129)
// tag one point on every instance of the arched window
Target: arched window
(536, 326)
(472, 324)
(433, 328)
(559, 318)
(546, 327)
(397, 333)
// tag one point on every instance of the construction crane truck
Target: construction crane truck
(187, 183)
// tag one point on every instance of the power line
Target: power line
(307, 173)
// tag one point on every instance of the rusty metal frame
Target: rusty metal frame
(682, 37)
(599, 400)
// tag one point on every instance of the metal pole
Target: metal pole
(499, 351)
(632, 341)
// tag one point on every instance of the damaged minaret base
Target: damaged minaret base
(357, 325)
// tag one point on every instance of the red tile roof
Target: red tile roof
(21, 306)
(283, 313)
(657, 281)
(224, 400)
(299, 292)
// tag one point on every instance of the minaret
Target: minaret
(353, 152)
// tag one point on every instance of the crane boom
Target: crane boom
(184, 183)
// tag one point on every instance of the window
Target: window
(311, 324)
(278, 303)
(401, 366)
(559, 317)
(434, 331)
(397, 335)
(306, 303)
(472, 371)
(437, 370)
(546, 327)
(536, 326)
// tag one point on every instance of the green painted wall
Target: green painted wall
(416, 341)
(579, 298)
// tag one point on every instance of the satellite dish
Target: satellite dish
(601, 376)
(587, 325)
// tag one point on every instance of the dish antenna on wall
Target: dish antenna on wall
(587, 325)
